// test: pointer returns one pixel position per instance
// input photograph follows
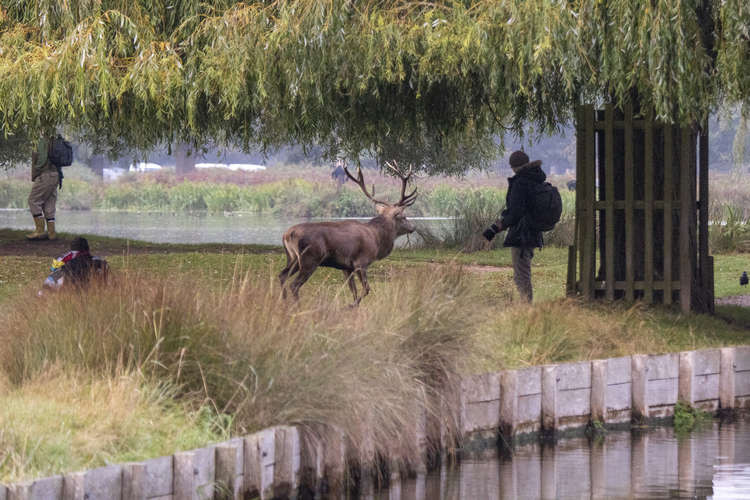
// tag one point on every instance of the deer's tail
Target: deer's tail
(291, 246)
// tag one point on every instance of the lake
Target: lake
(181, 227)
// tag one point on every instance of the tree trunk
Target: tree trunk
(96, 164)
(184, 159)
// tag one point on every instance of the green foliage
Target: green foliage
(427, 83)
(687, 418)
(730, 228)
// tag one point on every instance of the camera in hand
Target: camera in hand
(491, 231)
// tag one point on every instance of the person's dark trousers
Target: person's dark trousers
(522, 271)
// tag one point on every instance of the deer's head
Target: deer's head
(391, 211)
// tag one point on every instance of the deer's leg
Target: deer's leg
(362, 273)
(349, 277)
(291, 268)
(302, 277)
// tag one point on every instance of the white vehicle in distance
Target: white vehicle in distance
(246, 167)
(144, 166)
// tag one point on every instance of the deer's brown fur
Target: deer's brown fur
(347, 245)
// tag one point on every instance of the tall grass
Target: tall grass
(730, 228)
(476, 209)
(260, 361)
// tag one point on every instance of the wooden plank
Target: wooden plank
(637, 205)
(589, 244)
(648, 199)
(668, 215)
(638, 285)
(580, 193)
(609, 214)
(707, 285)
(570, 284)
(686, 273)
(620, 124)
(629, 188)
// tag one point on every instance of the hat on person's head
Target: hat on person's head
(80, 244)
(519, 160)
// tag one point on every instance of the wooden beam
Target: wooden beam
(648, 199)
(629, 206)
(589, 243)
(707, 285)
(620, 124)
(609, 213)
(637, 205)
(639, 285)
(668, 214)
(686, 272)
(580, 222)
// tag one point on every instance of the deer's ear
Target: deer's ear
(380, 208)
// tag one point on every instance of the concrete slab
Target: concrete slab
(480, 402)
(159, 476)
(103, 483)
(288, 463)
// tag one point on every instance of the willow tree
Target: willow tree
(441, 77)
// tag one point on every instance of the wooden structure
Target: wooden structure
(641, 211)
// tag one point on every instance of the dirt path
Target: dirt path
(735, 300)
(14, 243)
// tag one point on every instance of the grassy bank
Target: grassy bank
(194, 344)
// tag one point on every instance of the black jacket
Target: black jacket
(517, 204)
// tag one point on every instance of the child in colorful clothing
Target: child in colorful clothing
(76, 266)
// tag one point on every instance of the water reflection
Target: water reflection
(178, 228)
(710, 463)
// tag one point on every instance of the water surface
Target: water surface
(713, 462)
(177, 227)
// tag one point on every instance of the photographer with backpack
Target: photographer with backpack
(531, 207)
(52, 153)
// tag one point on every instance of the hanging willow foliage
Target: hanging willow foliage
(440, 77)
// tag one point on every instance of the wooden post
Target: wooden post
(589, 245)
(706, 266)
(648, 209)
(580, 222)
(686, 272)
(629, 221)
(668, 212)
(609, 217)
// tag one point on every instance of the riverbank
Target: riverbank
(204, 324)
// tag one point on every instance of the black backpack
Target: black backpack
(546, 207)
(60, 152)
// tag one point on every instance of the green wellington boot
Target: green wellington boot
(38, 233)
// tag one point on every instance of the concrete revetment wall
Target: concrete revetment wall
(282, 461)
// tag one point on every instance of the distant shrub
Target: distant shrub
(223, 198)
(14, 193)
(188, 196)
(729, 229)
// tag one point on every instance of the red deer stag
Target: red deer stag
(347, 245)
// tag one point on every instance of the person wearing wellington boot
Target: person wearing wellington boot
(43, 197)
(522, 238)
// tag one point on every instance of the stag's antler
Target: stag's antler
(406, 200)
(360, 181)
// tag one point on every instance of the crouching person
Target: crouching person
(77, 268)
